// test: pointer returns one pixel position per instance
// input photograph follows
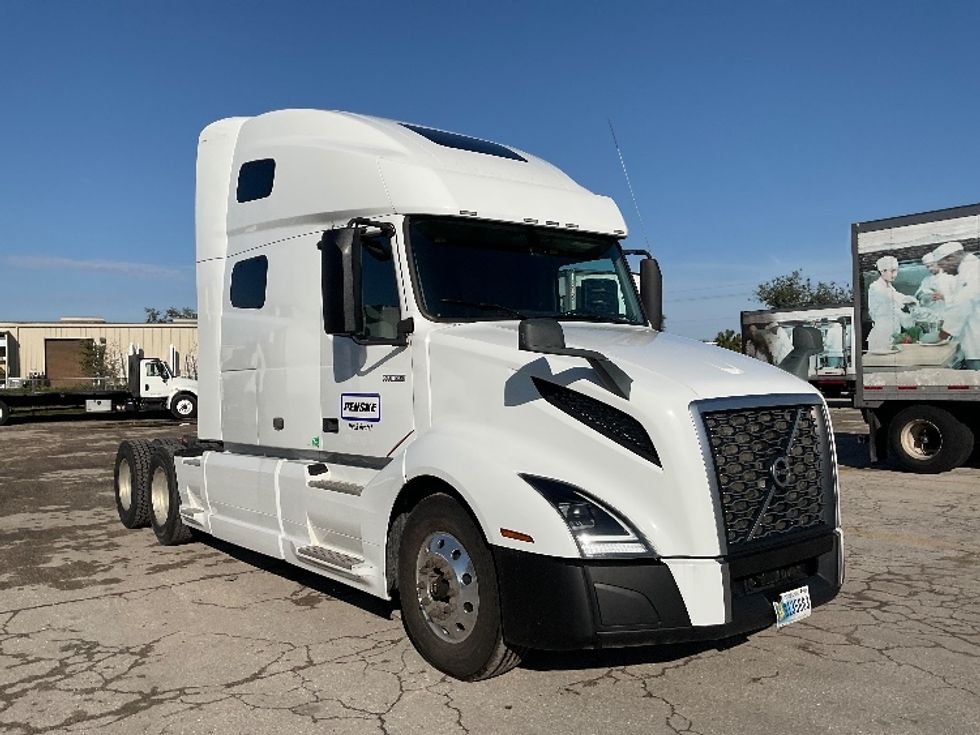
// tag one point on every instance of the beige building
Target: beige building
(52, 350)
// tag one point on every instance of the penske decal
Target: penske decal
(360, 407)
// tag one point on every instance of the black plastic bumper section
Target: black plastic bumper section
(565, 604)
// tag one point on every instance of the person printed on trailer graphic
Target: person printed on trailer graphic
(936, 289)
(961, 318)
(886, 306)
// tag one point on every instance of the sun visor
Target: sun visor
(415, 189)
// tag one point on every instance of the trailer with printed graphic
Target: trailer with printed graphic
(426, 372)
(917, 303)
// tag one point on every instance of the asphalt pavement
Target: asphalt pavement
(103, 629)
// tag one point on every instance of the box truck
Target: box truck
(426, 372)
(917, 295)
(813, 343)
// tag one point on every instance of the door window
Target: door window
(379, 290)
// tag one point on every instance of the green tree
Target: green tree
(94, 359)
(730, 340)
(155, 316)
(794, 291)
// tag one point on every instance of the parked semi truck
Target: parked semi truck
(917, 294)
(401, 391)
(815, 344)
(150, 386)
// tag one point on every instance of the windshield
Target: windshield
(472, 270)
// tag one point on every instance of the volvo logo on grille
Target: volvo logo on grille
(781, 472)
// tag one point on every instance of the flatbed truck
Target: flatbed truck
(150, 386)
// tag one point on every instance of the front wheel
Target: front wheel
(184, 406)
(927, 439)
(4, 413)
(447, 582)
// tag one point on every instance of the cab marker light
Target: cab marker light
(516, 535)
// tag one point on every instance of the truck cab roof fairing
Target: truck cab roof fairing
(330, 164)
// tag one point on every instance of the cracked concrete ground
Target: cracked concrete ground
(102, 629)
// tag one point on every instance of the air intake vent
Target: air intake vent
(773, 471)
(608, 421)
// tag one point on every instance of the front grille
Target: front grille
(773, 471)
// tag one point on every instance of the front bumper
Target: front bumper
(549, 603)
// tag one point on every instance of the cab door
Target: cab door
(366, 382)
(153, 379)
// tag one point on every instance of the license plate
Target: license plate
(792, 606)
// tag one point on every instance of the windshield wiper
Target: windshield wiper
(484, 305)
(578, 317)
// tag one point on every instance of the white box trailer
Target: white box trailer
(399, 391)
(815, 343)
(917, 293)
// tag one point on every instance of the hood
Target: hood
(180, 383)
(672, 363)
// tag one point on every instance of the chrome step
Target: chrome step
(335, 560)
(347, 488)
(188, 515)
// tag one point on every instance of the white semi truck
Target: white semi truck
(399, 392)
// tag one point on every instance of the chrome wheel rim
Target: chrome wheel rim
(447, 586)
(185, 407)
(125, 484)
(921, 439)
(160, 497)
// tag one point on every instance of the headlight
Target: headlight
(597, 530)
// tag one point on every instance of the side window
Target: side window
(248, 282)
(591, 289)
(153, 369)
(379, 290)
(255, 179)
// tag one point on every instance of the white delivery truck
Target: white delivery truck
(813, 343)
(917, 294)
(401, 390)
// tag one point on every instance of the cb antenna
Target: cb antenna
(629, 185)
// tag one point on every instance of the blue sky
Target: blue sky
(755, 133)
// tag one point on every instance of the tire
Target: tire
(131, 480)
(451, 612)
(184, 406)
(4, 413)
(927, 439)
(164, 498)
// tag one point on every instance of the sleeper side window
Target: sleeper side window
(379, 290)
(255, 179)
(248, 283)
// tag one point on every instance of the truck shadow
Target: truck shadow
(329, 589)
(852, 450)
(618, 657)
(76, 416)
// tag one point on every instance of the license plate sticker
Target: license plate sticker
(792, 606)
